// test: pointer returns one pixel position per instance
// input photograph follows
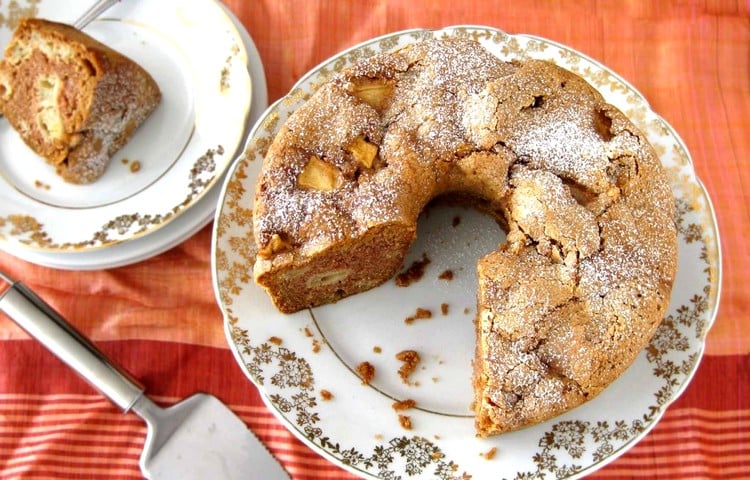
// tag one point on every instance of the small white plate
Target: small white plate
(173, 233)
(196, 55)
(319, 349)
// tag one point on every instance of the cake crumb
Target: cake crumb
(276, 340)
(411, 360)
(420, 314)
(315, 346)
(405, 422)
(435, 379)
(467, 310)
(41, 184)
(378, 436)
(366, 371)
(308, 332)
(446, 275)
(326, 395)
(404, 404)
(490, 454)
(124, 161)
(414, 273)
(135, 166)
(444, 308)
(377, 349)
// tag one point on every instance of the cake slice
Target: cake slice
(73, 100)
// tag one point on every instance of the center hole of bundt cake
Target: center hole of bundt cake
(432, 314)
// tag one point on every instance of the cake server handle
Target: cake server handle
(47, 326)
(99, 7)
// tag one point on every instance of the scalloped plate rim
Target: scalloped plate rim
(704, 196)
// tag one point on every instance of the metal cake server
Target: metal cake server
(197, 438)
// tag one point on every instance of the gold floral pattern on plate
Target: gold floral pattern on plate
(199, 59)
(357, 429)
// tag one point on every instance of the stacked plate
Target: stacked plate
(163, 186)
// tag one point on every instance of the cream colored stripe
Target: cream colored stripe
(680, 472)
(32, 418)
(41, 438)
(51, 402)
(50, 397)
(296, 470)
(251, 409)
(74, 472)
(710, 424)
(84, 459)
(701, 412)
(68, 429)
(723, 436)
(695, 445)
(685, 458)
(103, 447)
(48, 406)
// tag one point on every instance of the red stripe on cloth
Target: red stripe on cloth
(721, 383)
(614, 472)
(54, 426)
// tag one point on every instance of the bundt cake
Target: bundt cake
(584, 277)
(73, 100)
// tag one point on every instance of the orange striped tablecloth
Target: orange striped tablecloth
(691, 59)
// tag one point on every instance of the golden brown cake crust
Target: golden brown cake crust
(585, 275)
(73, 100)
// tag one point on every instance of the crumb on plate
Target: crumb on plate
(404, 404)
(489, 454)
(446, 275)
(366, 371)
(405, 422)
(411, 359)
(414, 273)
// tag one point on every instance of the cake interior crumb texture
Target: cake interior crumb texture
(575, 292)
(73, 100)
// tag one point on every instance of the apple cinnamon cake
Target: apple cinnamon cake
(73, 100)
(578, 287)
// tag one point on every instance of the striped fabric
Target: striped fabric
(61, 429)
(81, 436)
(690, 58)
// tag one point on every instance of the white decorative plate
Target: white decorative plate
(174, 232)
(196, 55)
(292, 358)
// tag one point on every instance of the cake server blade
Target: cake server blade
(197, 438)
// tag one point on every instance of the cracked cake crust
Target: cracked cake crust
(584, 277)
